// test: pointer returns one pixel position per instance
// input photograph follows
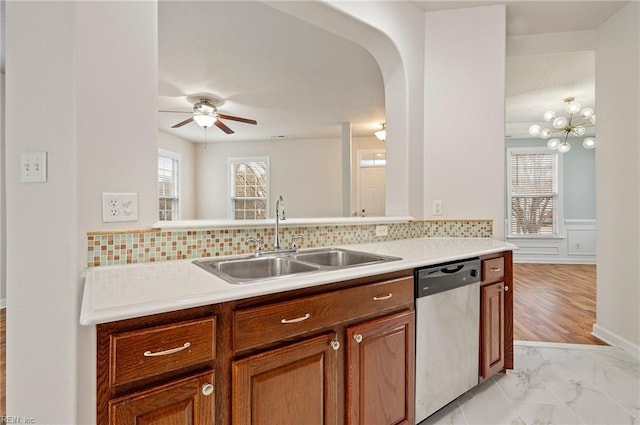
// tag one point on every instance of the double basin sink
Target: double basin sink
(287, 263)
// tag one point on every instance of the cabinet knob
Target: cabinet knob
(357, 338)
(335, 345)
(506, 288)
(207, 389)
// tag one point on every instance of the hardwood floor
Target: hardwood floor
(555, 303)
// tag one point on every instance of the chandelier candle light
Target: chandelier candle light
(575, 124)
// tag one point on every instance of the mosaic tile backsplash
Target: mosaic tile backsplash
(144, 246)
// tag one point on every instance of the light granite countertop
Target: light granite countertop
(125, 291)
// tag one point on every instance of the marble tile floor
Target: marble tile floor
(562, 384)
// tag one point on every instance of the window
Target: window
(249, 188)
(533, 196)
(168, 187)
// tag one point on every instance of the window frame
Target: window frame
(231, 161)
(558, 219)
(177, 157)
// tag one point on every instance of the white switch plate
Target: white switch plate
(382, 230)
(436, 207)
(118, 207)
(33, 167)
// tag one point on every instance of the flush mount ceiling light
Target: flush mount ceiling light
(381, 134)
(575, 124)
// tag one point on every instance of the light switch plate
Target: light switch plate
(118, 207)
(33, 167)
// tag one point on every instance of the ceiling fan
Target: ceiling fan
(206, 114)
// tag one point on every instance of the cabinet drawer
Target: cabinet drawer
(493, 270)
(148, 352)
(260, 325)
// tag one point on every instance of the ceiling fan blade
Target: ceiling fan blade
(223, 127)
(180, 124)
(178, 112)
(232, 118)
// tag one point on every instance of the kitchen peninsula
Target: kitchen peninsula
(226, 348)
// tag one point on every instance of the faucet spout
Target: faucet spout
(279, 216)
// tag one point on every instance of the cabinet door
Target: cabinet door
(380, 377)
(492, 329)
(293, 385)
(189, 401)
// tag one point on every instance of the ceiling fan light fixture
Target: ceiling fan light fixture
(564, 147)
(204, 121)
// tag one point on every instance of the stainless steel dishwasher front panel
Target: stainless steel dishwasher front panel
(447, 347)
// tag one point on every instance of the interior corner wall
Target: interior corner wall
(618, 179)
(464, 114)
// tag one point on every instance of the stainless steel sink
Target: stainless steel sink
(275, 265)
(255, 268)
(336, 257)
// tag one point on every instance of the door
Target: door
(492, 329)
(189, 401)
(380, 364)
(371, 181)
(293, 385)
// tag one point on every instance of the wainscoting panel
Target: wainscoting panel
(576, 245)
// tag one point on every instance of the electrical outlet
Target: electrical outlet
(33, 167)
(118, 207)
(436, 207)
(382, 230)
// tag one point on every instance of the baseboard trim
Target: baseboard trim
(615, 339)
(551, 260)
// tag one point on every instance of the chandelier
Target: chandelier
(575, 124)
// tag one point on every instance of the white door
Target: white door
(371, 183)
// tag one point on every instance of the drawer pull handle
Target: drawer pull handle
(495, 269)
(207, 389)
(296, 320)
(166, 352)
(383, 297)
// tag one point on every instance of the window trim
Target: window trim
(558, 219)
(178, 158)
(231, 180)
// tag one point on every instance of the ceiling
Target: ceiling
(299, 81)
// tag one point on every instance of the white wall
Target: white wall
(98, 124)
(464, 126)
(618, 178)
(42, 250)
(3, 202)
(307, 173)
(187, 172)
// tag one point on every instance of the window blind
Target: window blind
(534, 193)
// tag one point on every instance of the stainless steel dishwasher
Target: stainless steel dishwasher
(447, 333)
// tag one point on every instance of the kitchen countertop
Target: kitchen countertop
(125, 291)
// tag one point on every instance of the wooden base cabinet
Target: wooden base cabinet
(380, 369)
(189, 401)
(496, 315)
(492, 311)
(297, 384)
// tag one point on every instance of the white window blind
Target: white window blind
(168, 187)
(249, 193)
(533, 193)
